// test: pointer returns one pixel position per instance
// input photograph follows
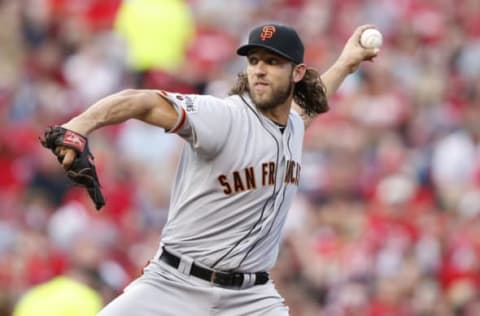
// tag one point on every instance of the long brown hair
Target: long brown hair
(309, 93)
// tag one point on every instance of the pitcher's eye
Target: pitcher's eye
(273, 61)
(252, 60)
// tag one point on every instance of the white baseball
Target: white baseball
(371, 38)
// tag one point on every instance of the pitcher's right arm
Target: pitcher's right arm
(145, 105)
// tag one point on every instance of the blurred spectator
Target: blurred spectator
(157, 33)
(74, 293)
(60, 296)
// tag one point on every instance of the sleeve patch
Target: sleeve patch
(185, 101)
(189, 105)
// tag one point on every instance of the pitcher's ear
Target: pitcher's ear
(299, 72)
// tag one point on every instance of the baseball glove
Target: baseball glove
(82, 171)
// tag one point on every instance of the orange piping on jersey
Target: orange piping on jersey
(180, 124)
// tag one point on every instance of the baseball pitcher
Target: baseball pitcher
(236, 178)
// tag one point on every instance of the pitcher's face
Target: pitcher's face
(270, 79)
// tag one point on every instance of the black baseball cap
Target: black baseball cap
(280, 39)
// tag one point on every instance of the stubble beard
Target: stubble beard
(278, 96)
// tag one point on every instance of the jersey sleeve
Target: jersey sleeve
(203, 121)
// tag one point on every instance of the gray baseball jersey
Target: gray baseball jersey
(235, 182)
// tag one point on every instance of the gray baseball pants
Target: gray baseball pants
(164, 291)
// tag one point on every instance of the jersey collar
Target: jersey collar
(269, 122)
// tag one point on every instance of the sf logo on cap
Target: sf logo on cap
(267, 32)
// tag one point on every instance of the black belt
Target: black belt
(217, 277)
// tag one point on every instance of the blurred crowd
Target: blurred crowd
(387, 221)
